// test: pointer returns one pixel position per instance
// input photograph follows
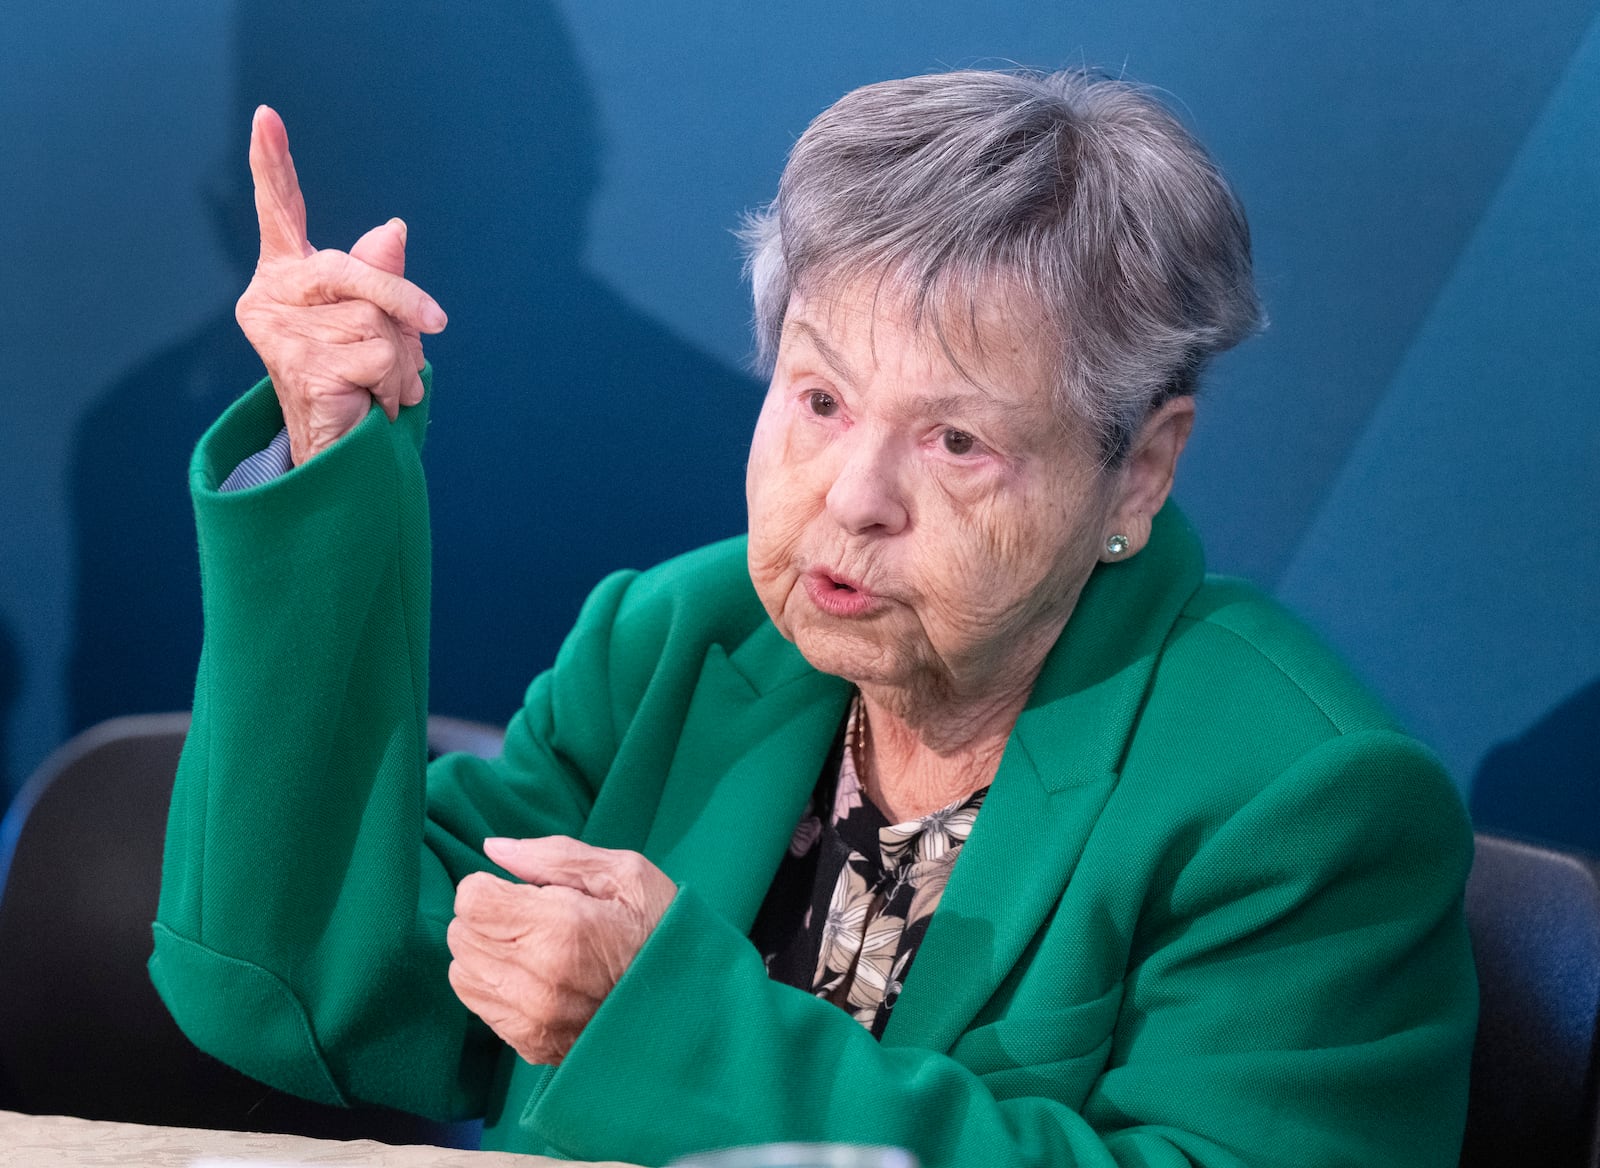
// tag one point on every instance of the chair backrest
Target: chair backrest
(1534, 915)
(82, 1031)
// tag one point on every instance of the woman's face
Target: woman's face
(912, 527)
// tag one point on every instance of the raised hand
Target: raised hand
(335, 330)
(535, 960)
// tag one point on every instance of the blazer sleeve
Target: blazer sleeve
(1309, 1005)
(310, 859)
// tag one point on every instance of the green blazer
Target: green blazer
(1210, 912)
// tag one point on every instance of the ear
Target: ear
(1146, 475)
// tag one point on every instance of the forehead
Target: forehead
(990, 342)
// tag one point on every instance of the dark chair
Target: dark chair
(1534, 915)
(82, 1031)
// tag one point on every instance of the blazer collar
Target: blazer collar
(757, 732)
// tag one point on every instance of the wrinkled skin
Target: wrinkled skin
(335, 330)
(962, 510)
(534, 960)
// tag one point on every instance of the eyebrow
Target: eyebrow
(976, 400)
(977, 403)
(826, 351)
(949, 404)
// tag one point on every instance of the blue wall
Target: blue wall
(1410, 455)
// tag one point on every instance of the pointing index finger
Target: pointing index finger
(280, 207)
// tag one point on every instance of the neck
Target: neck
(914, 761)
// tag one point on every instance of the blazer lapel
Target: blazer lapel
(1059, 768)
(757, 733)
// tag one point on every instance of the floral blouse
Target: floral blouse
(853, 896)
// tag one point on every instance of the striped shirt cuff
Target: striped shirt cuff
(263, 466)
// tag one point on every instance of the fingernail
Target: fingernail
(402, 223)
(498, 843)
(433, 317)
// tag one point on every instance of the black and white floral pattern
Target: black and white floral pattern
(854, 895)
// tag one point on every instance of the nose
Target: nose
(866, 494)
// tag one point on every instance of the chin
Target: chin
(847, 654)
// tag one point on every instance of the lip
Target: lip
(838, 595)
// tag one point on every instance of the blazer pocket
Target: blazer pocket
(1057, 1054)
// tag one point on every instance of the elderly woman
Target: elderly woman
(955, 808)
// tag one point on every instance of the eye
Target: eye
(822, 403)
(957, 441)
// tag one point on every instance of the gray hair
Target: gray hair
(1083, 192)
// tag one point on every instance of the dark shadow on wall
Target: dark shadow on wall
(1545, 784)
(570, 435)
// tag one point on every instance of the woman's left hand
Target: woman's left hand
(535, 960)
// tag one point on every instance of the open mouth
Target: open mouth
(839, 597)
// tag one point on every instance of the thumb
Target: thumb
(384, 247)
(559, 860)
